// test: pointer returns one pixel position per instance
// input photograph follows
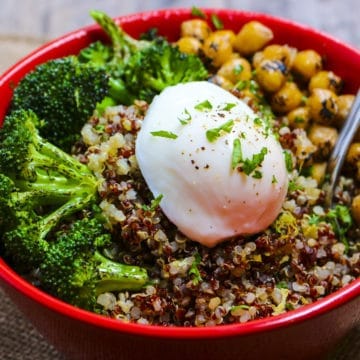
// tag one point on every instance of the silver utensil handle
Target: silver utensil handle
(341, 148)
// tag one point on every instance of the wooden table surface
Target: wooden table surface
(26, 24)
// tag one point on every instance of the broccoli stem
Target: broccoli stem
(123, 44)
(116, 276)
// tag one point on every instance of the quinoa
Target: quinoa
(296, 261)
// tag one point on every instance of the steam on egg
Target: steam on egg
(216, 165)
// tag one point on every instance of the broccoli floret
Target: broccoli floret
(75, 270)
(140, 69)
(63, 93)
(41, 186)
(123, 45)
(97, 54)
(156, 67)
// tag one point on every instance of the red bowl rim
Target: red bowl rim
(12, 279)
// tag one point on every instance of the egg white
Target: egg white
(203, 194)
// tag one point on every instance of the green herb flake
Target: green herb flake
(314, 219)
(299, 120)
(241, 85)
(213, 134)
(293, 186)
(203, 106)
(282, 285)
(288, 161)
(194, 269)
(238, 307)
(257, 174)
(258, 121)
(228, 106)
(249, 165)
(274, 180)
(238, 69)
(195, 11)
(164, 134)
(236, 156)
(154, 203)
(217, 22)
(185, 117)
(99, 128)
(341, 221)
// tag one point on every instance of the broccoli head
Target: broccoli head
(156, 67)
(75, 270)
(140, 69)
(63, 93)
(40, 184)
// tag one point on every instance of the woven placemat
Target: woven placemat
(20, 341)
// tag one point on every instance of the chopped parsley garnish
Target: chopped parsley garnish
(242, 307)
(340, 219)
(194, 270)
(185, 117)
(314, 219)
(248, 166)
(236, 156)
(215, 133)
(154, 204)
(274, 180)
(217, 22)
(257, 121)
(164, 134)
(299, 120)
(228, 106)
(293, 186)
(99, 128)
(238, 69)
(282, 285)
(205, 105)
(195, 11)
(241, 85)
(257, 174)
(288, 161)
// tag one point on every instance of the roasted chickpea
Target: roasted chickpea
(196, 28)
(236, 69)
(252, 37)
(307, 63)
(287, 98)
(353, 158)
(318, 171)
(271, 75)
(218, 48)
(326, 80)
(324, 138)
(222, 82)
(323, 106)
(189, 45)
(299, 117)
(344, 103)
(355, 209)
(353, 155)
(284, 53)
(257, 58)
(227, 35)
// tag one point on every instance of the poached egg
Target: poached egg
(215, 164)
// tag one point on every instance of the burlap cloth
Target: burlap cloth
(18, 338)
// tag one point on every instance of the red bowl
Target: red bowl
(307, 333)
